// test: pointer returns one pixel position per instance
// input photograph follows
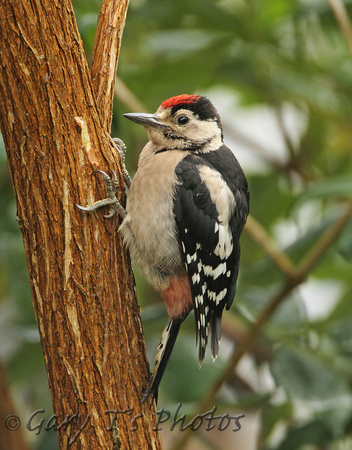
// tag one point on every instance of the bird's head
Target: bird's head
(184, 122)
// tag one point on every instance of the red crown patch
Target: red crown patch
(180, 99)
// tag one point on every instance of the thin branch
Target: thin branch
(259, 234)
(307, 264)
(283, 130)
(127, 97)
(327, 239)
(292, 165)
(235, 329)
(110, 26)
(343, 20)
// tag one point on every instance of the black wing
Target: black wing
(209, 235)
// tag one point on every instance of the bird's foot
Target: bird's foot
(149, 391)
(111, 185)
(121, 147)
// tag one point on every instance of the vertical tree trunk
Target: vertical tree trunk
(81, 279)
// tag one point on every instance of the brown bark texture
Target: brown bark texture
(80, 275)
(106, 48)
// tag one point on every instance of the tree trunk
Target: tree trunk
(80, 275)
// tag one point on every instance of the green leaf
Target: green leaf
(311, 433)
(340, 187)
(305, 377)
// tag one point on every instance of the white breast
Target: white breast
(149, 229)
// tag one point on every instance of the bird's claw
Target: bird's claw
(150, 390)
(145, 395)
(120, 145)
(110, 180)
(111, 184)
(83, 208)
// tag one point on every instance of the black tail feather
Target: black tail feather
(167, 341)
(215, 326)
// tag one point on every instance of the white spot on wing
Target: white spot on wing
(198, 299)
(190, 258)
(225, 203)
(195, 278)
(202, 320)
(215, 273)
(224, 247)
(221, 295)
(217, 297)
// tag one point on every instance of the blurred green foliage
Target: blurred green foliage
(255, 54)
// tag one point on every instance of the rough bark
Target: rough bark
(106, 48)
(81, 279)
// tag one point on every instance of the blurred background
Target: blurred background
(280, 74)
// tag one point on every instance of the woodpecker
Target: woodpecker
(185, 211)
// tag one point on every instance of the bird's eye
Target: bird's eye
(182, 120)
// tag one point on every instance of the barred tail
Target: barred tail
(166, 344)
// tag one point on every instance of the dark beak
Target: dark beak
(147, 120)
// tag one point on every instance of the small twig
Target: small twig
(292, 165)
(314, 255)
(283, 130)
(343, 20)
(259, 234)
(127, 97)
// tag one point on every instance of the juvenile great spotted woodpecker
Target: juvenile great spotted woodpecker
(186, 208)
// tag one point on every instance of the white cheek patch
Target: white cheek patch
(225, 204)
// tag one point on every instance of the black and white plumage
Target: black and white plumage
(185, 211)
(209, 228)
